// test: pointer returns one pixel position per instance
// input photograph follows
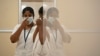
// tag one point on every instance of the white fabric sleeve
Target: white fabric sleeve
(68, 37)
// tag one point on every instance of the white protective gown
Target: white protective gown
(56, 43)
(23, 49)
(41, 50)
(53, 47)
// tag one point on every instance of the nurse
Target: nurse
(22, 33)
(59, 36)
(41, 43)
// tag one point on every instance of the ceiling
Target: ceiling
(37, 0)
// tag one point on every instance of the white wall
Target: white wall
(82, 18)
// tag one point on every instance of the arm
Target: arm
(15, 37)
(35, 34)
(39, 29)
(65, 36)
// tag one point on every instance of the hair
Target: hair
(41, 11)
(52, 9)
(31, 10)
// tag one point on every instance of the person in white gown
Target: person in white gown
(58, 36)
(40, 37)
(23, 32)
(53, 35)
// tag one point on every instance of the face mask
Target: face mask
(30, 20)
(51, 19)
